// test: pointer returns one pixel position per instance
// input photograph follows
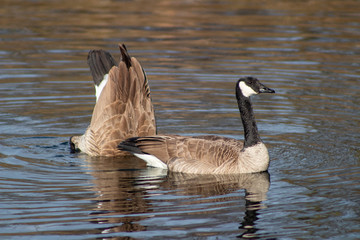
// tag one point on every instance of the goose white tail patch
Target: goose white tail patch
(98, 89)
(151, 160)
(246, 90)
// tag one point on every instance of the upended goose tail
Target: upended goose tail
(123, 108)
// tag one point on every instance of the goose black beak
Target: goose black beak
(264, 89)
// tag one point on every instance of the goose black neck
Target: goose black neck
(251, 133)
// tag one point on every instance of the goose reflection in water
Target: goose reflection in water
(121, 190)
(131, 197)
(256, 186)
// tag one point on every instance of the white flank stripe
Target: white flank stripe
(151, 160)
(246, 90)
(98, 89)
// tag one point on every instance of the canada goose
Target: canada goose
(209, 154)
(123, 106)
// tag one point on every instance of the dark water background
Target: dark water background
(193, 53)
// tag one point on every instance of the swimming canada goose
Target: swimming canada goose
(209, 154)
(123, 106)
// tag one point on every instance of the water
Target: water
(193, 53)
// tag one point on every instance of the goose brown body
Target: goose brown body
(123, 108)
(208, 154)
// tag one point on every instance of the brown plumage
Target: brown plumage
(123, 108)
(209, 154)
(198, 154)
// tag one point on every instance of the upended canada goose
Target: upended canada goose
(123, 106)
(209, 154)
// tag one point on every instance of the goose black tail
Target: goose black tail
(100, 63)
(130, 145)
(125, 57)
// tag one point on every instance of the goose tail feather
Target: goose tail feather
(132, 145)
(100, 63)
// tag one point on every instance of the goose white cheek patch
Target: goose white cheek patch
(246, 90)
(98, 89)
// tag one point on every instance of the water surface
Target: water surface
(193, 53)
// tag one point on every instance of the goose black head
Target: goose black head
(73, 144)
(248, 86)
